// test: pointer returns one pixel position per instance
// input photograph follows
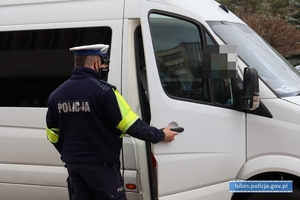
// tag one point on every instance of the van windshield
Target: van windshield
(282, 78)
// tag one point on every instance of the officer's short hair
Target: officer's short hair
(80, 60)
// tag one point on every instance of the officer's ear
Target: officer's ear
(95, 63)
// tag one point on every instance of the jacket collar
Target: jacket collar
(80, 71)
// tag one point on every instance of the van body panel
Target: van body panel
(277, 135)
(132, 9)
(25, 2)
(116, 53)
(31, 147)
(275, 163)
(129, 150)
(33, 175)
(295, 100)
(29, 192)
(213, 192)
(23, 117)
(129, 73)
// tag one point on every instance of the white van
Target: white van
(156, 63)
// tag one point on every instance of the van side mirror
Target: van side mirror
(250, 89)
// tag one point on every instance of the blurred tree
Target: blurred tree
(267, 18)
(293, 15)
(250, 6)
(241, 6)
(278, 7)
(281, 35)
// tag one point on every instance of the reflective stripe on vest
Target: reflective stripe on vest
(52, 134)
(128, 116)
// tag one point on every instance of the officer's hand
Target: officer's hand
(170, 135)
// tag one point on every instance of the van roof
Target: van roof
(28, 13)
(209, 10)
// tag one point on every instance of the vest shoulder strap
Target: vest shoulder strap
(104, 85)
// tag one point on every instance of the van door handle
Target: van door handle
(179, 129)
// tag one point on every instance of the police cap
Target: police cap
(92, 50)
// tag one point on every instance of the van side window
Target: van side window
(35, 62)
(178, 51)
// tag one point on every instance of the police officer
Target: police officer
(86, 120)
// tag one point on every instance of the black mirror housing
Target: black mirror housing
(250, 89)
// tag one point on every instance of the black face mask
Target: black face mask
(103, 73)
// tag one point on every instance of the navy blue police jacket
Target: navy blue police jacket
(86, 112)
